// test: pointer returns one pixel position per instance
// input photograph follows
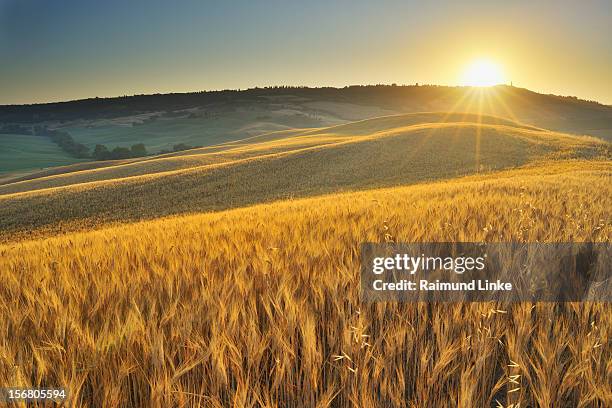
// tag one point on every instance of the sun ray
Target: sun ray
(470, 96)
(466, 95)
(506, 108)
(479, 130)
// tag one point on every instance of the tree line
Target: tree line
(100, 152)
(98, 108)
(66, 142)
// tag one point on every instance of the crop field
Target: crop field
(368, 154)
(228, 275)
(20, 153)
(305, 204)
(207, 120)
(262, 143)
(161, 130)
(259, 306)
(195, 127)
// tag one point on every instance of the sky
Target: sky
(71, 49)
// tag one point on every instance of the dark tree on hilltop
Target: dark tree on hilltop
(138, 150)
(101, 152)
(121, 153)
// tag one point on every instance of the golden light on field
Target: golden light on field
(483, 73)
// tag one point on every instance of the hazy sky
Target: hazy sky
(54, 50)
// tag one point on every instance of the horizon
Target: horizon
(416, 84)
(83, 49)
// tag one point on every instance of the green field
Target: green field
(22, 153)
(201, 129)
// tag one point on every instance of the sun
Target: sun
(483, 73)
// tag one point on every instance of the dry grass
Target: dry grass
(259, 306)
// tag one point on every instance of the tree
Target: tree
(181, 146)
(121, 153)
(138, 150)
(81, 151)
(67, 143)
(101, 152)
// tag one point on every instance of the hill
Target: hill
(212, 118)
(260, 305)
(229, 274)
(256, 145)
(381, 152)
(550, 111)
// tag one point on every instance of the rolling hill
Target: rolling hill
(387, 151)
(350, 103)
(228, 275)
(212, 118)
(253, 146)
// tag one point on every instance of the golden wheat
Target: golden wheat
(342, 158)
(260, 306)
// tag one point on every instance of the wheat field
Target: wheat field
(259, 306)
(382, 152)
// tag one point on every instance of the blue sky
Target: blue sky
(67, 49)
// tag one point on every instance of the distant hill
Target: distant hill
(567, 114)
